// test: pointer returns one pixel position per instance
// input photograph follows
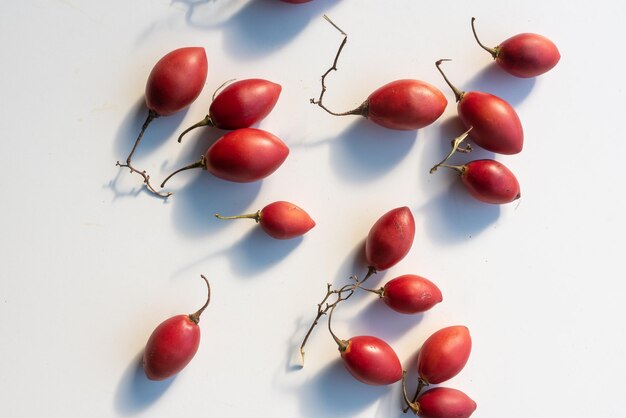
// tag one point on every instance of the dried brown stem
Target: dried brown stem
(363, 108)
(195, 317)
(146, 178)
(456, 146)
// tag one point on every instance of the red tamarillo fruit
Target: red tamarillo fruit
(240, 105)
(174, 83)
(369, 359)
(440, 402)
(444, 354)
(491, 122)
(390, 239)
(405, 104)
(280, 220)
(410, 294)
(173, 344)
(242, 156)
(524, 55)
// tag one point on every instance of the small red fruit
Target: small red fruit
(242, 156)
(280, 220)
(524, 55)
(390, 239)
(173, 344)
(371, 360)
(441, 402)
(411, 294)
(240, 105)
(444, 354)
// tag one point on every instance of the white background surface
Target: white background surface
(90, 263)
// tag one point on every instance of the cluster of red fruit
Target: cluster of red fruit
(247, 154)
(373, 361)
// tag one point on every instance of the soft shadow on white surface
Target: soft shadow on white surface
(333, 392)
(135, 393)
(493, 79)
(259, 27)
(385, 322)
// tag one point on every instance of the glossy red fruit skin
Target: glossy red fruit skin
(284, 220)
(444, 354)
(495, 125)
(372, 361)
(527, 55)
(244, 103)
(176, 80)
(245, 155)
(490, 181)
(445, 403)
(171, 347)
(406, 105)
(390, 239)
(411, 294)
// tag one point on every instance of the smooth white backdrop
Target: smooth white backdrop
(91, 263)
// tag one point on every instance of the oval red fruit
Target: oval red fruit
(490, 181)
(495, 125)
(445, 403)
(405, 105)
(171, 347)
(527, 55)
(244, 103)
(372, 361)
(245, 155)
(444, 354)
(176, 80)
(410, 294)
(390, 239)
(284, 220)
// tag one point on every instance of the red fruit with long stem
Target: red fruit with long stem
(280, 220)
(489, 181)
(390, 239)
(410, 294)
(494, 124)
(524, 55)
(369, 359)
(173, 84)
(440, 402)
(173, 344)
(405, 104)
(240, 105)
(444, 354)
(242, 156)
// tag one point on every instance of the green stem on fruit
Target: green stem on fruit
(198, 164)
(342, 344)
(363, 109)
(256, 216)
(204, 122)
(412, 405)
(146, 178)
(195, 317)
(458, 94)
(493, 51)
(456, 144)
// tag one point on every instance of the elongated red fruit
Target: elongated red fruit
(243, 156)
(246, 155)
(371, 360)
(443, 402)
(524, 55)
(176, 80)
(444, 354)
(410, 294)
(495, 126)
(390, 239)
(240, 105)
(173, 344)
(405, 105)
(489, 181)
(280, 220)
